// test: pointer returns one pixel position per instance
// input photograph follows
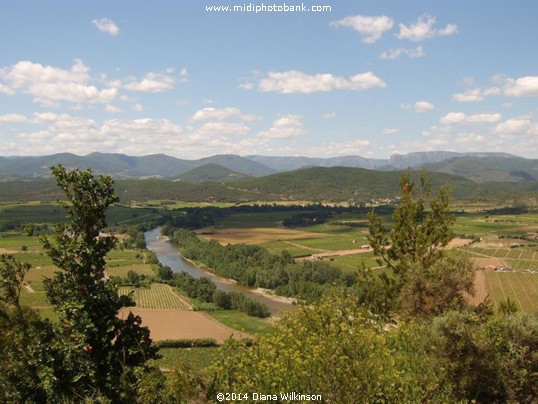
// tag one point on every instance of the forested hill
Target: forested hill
(344, 183)
(499, 169)
(335, 184)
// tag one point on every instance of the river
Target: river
(168, 255)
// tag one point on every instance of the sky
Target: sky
(322, 78)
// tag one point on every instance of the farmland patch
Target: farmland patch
(182, 324)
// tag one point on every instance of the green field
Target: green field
(276, 247)
(351, 263)
(51, 213)
(158, 296)
(521, 287)
(242, 322)
(31, 213)
(140, 269)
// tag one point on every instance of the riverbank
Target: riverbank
(169, 255)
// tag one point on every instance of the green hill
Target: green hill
(211, 172)
(343, 184)
(485, 169)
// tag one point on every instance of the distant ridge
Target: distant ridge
(479, 167)
(211, 172)
(317, 184)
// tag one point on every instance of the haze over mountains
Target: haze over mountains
(479, 167)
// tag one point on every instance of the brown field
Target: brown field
(480, 291)
(180, 324)
(528, 229)
(256, 235)
(339, 253)
(8, 251)
(458, 242)
(484, 262)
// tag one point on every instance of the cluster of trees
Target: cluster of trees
(91, 352)
(205, 291)
(253, 265)
(198, 217)
(306, 219)
(238, 301)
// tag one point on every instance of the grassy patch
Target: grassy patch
(196, 359)
(242, 322)
(351, 263)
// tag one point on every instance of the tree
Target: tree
(427, 280)
(99, 352)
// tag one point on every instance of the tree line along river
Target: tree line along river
(169, 255)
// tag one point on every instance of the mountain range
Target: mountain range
(478, 167)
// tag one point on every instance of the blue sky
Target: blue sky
(369, 78)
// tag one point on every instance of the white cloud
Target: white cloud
(371, 28)
(13, 118)
(285, 127)
(154, 82)
(213, 129)
(424, 29)
(456, 118)
(5, 89)
(246, 86)
(521, 87)
(294, 81)
(49, 85)
(146, 126)
(207, 114)
(329, 115)
(107, 26)
(470, 139)
(138, 107)
(390, 131)
(394, 54)
(475, 94)
(419, 106)
(515, 126)
(113, 109)
(332, 149)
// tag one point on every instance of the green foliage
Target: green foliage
(27, 372)
(12, 274)
(426, 280)
(336, 349)
(187, 343)
(165, 273)
(488, 358)
(98, 351)
(417, 235)
(508, 306)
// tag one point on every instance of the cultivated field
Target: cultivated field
(521, 287)
(121, 272)
(158, 296)
(182, 324)
(254, 235)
